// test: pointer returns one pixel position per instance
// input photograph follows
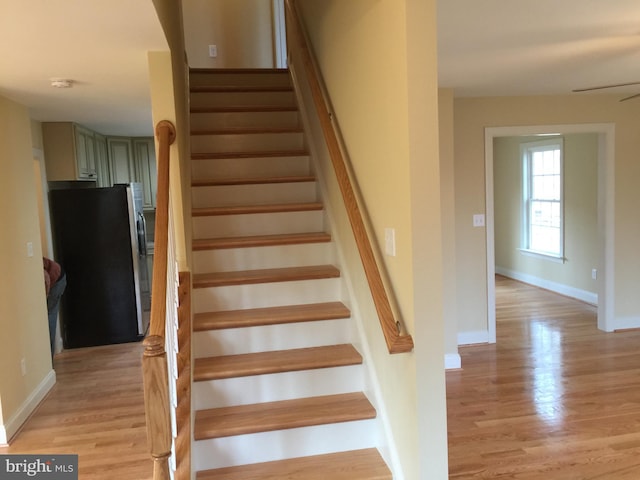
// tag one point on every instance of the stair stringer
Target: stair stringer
(341, 233)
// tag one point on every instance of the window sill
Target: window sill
(542, 256)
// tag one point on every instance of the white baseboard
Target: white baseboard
(452, 361)
(471, 338)
(11, 427)
(566, 290)
(626, 323)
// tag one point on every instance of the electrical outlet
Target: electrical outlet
(213, 51)
(23, 366)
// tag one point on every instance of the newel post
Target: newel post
(156, 401)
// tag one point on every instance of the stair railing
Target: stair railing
(397, 342)
(161, 357)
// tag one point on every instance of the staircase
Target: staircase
(278, 386)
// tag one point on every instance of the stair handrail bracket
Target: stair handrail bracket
(154, 359)
(396, 341)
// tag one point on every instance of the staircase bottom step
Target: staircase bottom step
(364, 464)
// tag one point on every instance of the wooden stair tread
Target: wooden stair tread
(247, 131)
(218, 182)
(233, 71)
(262, 363)
(245, 154)
(240, 88)
(244, 109)
(255, 317)
(260, 241)
(284, 414)
(250, 209)
(268, 275)
(366, 464)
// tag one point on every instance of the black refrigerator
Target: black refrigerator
(100, 240)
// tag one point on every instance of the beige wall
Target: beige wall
(580, 164)
(472, 116)
(447, 195)
(24, 331)
(241, 29)
(393, 148)
(168, 74)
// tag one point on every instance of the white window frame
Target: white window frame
(526, 150)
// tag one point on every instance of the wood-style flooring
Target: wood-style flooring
(95, 410)
(554, 398)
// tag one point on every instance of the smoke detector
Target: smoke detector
(61, 83)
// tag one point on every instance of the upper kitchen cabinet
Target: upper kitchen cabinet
(70, 151)
(144, 153)
(121, 163)
(102, 161)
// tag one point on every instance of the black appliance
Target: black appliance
(100, 241)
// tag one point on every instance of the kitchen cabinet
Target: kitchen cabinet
(69, 150)
(102, 161)
(121, 165)
(144, 154)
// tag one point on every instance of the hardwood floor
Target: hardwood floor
(95, 410)
(554, 398)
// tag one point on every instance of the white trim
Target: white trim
(16, 421)
(452, 361)
(606, 209)
(541, 256)
(473, 338)
(566, 290)
(623, 323)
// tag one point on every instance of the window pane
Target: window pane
(545, 239)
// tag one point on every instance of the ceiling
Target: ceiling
(101, 45)
(516, 47)
(486, 47)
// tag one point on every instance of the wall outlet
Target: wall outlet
(390, 241)
(594, 273)
(213, 51)
(23, 366)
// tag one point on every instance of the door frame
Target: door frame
(606, 218)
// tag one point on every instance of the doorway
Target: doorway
(605, 285)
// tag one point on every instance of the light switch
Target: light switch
(390, 241)
(29, 249)
(478, 220)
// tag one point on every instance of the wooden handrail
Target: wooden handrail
(154, 360)
(396, 341)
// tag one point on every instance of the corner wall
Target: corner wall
(23, 312)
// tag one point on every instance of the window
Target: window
(542, 198)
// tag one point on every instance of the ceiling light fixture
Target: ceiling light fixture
(61, 83)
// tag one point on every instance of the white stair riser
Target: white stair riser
(260, 295)
(232, 259)
(249, 167)
(253, 194)
(266, 338)
(216, 121)
(278, 386)
(295, 442)
(253, 142)
(224, 99)
(240, 79)
(257, 224)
